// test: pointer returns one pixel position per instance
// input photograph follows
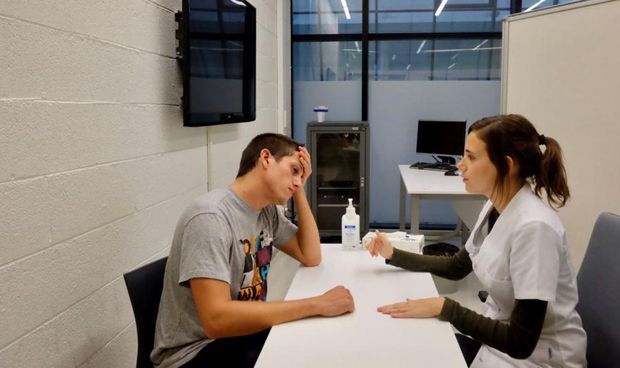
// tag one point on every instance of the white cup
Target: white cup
(320, 113)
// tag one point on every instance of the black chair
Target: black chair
(144, 286)
(598, 282)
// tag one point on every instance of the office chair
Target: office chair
(144, 286)
(598, 282)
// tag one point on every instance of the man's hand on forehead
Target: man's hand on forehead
(304, 160)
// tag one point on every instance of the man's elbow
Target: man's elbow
(213, 330)
(215, 325)
(312, 262)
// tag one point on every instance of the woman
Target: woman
(517, 249)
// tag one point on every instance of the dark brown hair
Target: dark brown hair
(513, 135)
(279, 145)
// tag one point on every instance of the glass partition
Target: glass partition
(312, 17)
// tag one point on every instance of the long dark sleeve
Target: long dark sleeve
(517, 338)
(451, 267)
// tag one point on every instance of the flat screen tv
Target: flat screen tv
(217, 48)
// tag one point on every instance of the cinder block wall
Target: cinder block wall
(95, 168)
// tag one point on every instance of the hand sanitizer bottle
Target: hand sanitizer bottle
(350, 228)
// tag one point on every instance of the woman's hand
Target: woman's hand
(418, 308)
(380, 245)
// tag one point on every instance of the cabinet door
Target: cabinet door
(337, 176)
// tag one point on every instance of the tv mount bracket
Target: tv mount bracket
(179, 35)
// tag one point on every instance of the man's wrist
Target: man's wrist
(299, 194)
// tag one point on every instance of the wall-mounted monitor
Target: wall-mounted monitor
(441, 138)
(217, 49)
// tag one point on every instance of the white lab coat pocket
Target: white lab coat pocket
(492, 268)
(501, 297)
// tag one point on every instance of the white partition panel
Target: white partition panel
(561, 69)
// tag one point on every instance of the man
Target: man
(213, 307)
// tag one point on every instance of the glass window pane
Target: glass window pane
(399, 60)
(327, 74)
(402, 22)
(401, 5)
(327, 61)
(327, 16)
(528, 5)
(473, 59)
(467, 21)
(389, 16)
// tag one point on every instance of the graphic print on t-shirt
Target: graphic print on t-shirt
(257, 260)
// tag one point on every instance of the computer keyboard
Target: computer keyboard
(442, 166)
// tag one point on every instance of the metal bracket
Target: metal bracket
(180, 34)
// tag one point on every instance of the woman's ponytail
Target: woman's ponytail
(551, 175)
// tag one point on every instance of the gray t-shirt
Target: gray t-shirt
(218, 237)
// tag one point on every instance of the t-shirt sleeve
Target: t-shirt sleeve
(205, 249)
(283, 229)
(535, 262)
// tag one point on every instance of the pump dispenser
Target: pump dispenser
(351, 228)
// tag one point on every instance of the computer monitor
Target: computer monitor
(441, 138)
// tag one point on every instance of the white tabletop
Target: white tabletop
(430, 181)
(364, 338)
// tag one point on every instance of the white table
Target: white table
(364, 338)
(433, 184)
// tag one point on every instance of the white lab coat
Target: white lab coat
(526, 257)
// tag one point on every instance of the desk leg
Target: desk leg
(415, 214)
(403, 204)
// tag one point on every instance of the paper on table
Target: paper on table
(400, 240)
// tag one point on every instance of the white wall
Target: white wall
(95, 167)
(394, 110)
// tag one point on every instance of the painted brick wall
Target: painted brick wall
(95, 167)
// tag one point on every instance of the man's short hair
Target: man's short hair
(279, 145)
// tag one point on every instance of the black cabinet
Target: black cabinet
(339, 152)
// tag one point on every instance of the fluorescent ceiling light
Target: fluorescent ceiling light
(237, 2)
(345, 7)
(355, 51)
(452, 66)
(480, 44)
(357, 46)
(440, 7)
(459, 50)
(421, 45)
(534, 6)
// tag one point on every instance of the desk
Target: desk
(364, 338)
(433, 184)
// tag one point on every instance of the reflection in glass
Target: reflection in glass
(469, 59)
(529, 5)
(327, 61)
(406, 16)
(338, 176)
(327, 16)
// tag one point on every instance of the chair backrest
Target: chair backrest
(598, 283)
(144, 286)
